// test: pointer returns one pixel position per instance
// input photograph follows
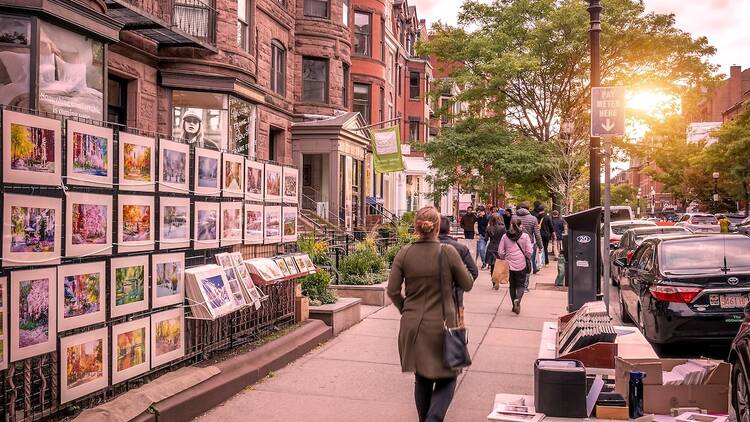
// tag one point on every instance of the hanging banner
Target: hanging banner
(386, 148)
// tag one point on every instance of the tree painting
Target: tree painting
(90, 154)
(89, 224)
(273, 185)
(32, 148)
(208, 172)
(214, 291)
(81, 294)
(254, 182)
(233, 175)
(175, 222)
(85, 363)
(290, 185)
(231, 224)
(168, 276)
(32, 229)
(136, 223)
(131, 348)
(137, 163)
(290, 224)
(129, 285)
(168, 335)
(207, 224)
(174, 166)
(33, 312)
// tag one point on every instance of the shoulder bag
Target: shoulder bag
(528, 268)
(455, 340)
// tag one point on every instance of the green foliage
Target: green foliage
(390, 254)
(362, 261)
(317, 250)
(368, 279)
(408, 218)
(623, 195)
(315, 287)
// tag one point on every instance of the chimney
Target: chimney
(735, 85)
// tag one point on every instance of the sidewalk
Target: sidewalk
(357, 376)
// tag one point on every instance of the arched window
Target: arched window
(278, 67)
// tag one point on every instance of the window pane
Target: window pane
(314, 80)
(278, 68)
(242, 10)
(345, 11)
(362, 33)
(345, 91)
(316, 8)
(15, 61)
(414, 85)
(362, 100)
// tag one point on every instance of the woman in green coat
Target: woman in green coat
(420, 339)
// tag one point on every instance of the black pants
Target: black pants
(468, 235)
(545, 245)
(517, 284)
(433, 397)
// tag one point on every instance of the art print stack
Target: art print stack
(208, 293)
(238, 275)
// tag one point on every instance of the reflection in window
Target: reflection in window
(315, 80)
(316, 8)
(362, 101)
(362, 33)
(200, 118)
(278, 67)
(15, 59)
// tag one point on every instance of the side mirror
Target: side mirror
(621, 262)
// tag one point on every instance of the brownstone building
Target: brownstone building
(725, 102)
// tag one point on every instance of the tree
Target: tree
(527, 61)
(730, 154)
(623, 194)
(20, 144)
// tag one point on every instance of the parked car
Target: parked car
(620, 213)
(744, 227)
(739, 357)
(700, 223)
(687, 288)
(734, 221)
(618, 228)
(630, 242)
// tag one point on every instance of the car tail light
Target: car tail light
(675, 294)
(629, 256)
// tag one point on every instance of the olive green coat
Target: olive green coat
(420, 338)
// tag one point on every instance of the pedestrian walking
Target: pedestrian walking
(507, 217)
(546, 231)
(482, 220)
(495, 232)
(724, 223)
(467, 223)
(516, 248)
(426, 309)
(530, 226)
(558, 229)
(469, 262)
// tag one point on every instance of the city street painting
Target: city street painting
(31, 229)
(174, 167)
(253, 224)
(3, 323)
(290, 224)
(136, 224)
(207, 225)
(130, 349)
(33, 312)
(208, 172)
(175, 222)
(272, 225)
(231, 223)
(291, 179)
(253, 180)
(85, 364)
(89, 154)
(88, 229)
(136, 162)
(89, 224)
(214, 291)
(167, 336)
(233, 175)
(168, 279)
(32, 147)
(80, 295)
(273, 183)
(206, 230)
(128, 288)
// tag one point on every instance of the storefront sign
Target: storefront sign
(386, 147)
(242, 127)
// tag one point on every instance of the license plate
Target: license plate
(734, 301)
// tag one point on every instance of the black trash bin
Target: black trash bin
(582, 246)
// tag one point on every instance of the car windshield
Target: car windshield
(681, 256)
(620, 215)
(704, 219)
(620, 230)
(735, 219)
(665, 230)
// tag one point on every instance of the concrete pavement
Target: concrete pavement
(357, 376)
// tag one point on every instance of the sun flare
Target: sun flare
(652, 102)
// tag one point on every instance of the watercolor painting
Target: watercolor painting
(253, 224)
(272, 225)
(208, 172)
(90, 154)
(273, 182)
(84, 363)
(136, 223)
(168, 335)
(174, 166)
(214, 291)
(175, 225)
(291, 185)
(130, 349)
(3, 323)
(207, 224)
(231, 223)
(233, 176)
(32, 229)
(81, 294)
(290, 224)
(169, 275)
(253, 180)
(137, 162)
(89, 224)
(129, 285)
(34, 312)
(32, 149)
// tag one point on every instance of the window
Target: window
(382, 39)
(389, 67)
(381, 109)
(362, 33)
(117, 100)
(278, 67)
(413, 129)
(281, 3)
(345, 13)
(345, 91)
(314, 80)
(362, 100)
(414, 85)
(275, 143)
(316, 8)
(398, 80)
(243, 27)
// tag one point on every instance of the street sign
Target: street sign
(608, 111)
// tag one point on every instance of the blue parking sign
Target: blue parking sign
(608, 111)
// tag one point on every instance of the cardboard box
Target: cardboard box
(297, 289)
(301, 309)
(612, 412)
(659, 399)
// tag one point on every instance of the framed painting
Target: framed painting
(89, 155)
(253, 224)
(253, 180)
(289, 224)
(128, 284)
(292, 265)
(135, 231)
(33, 311)
(167, 336)
(3, 323)
(231, 223)
(84, 364)
(216, 296)
(174, 223)
(291, 185)
(282, 265)
(31, 230)
(167, 279)
(174, 167)
(207, 177)
(32, 148)
(272, 183)
(131, 349)
(206, 231)
(137, 163)
(81, 295)
(88, 229)
(272, 225)
(233, 175)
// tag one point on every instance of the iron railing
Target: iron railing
(196, 18)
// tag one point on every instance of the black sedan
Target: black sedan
(739, 357)
(630, 242)
(687, 288)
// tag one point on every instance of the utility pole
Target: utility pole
(595, 28)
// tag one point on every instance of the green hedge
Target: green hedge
(315, 287)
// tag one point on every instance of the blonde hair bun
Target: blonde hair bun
(427, 222)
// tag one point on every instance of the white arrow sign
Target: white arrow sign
(608, 125)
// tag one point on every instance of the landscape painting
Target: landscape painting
(136, 162)
(89, 154)
(33, 312)
(253, 224)
(291, 185)
(290, 225)
(80, 295)
(130, 349)
(168, 279)
(206, 225)
(128, 292)
(88, 230)
(207, 172)
(136, 229)
(173, 176)
(32, 147)
(273, 183)
(253, 180)
(85, 364)
(231, 223)
(233, 175)
(272, 225)
(167, 336)
(31, 229)
(175, 223)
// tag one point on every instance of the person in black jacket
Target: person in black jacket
(482, 220)
(547, 231)
(465, 254)
(558, 226)
(495, 233)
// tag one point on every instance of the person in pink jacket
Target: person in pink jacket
(516, 248)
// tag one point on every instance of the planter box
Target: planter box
(301, 309)
(340, 315)
(374, 295)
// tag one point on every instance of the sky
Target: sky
(719, 20)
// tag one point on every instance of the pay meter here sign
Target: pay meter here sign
(608, 111)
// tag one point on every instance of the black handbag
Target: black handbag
(528, 268)
(455, 340)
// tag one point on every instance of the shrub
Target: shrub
(317, 250)
(391, 253)
(363, 260)
(315, 287)
(367, 279)
(408, 218)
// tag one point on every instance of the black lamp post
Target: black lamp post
(595, 28)
(716, 190)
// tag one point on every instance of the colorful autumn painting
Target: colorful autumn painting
(168, 276)
(90, 155)
(33, 312)
(89, 223)
(81, 294)
(137, 163)
(129, 284)
(290, 224)
(168, 336)
(254, 182)
(131, 349)
(32, 229)
(85, 363)
(136, 223)
(232, 176)
(231, 222)
(273, 183)
(32, 149)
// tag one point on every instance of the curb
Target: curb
(241, 371)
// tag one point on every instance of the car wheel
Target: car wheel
(624, 312)
(740, 394)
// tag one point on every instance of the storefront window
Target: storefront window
(71, 73)
(242, 117)
(15, 60)
(200, 118)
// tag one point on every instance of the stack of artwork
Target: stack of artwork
(237, 273)
(208, 292)
(270, 270)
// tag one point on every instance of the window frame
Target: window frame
(412, 87)
(245, 25)
(326, 81)
(278, 70)
(414, 123)
(345, 9)
(307, 12)
(357, 34)
(346, 76)
(367, 105)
